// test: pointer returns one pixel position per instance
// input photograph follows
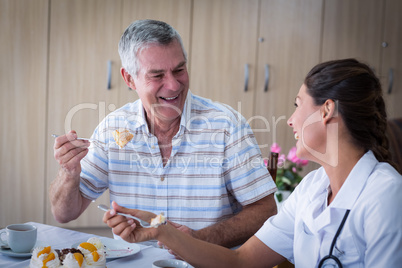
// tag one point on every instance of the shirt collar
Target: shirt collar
(185, 116)
(141, 116)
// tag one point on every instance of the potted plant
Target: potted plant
(288, 172)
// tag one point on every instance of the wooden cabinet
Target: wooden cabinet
(352, 29)
(370, 31)
(289, 47)
(391, 62)
(224, 39)
(23, 50)
(273, 37)
(83, 40)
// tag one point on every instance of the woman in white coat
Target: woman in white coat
(347, 213)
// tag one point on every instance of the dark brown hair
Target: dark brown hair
(358, 95)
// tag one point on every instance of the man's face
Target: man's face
(162, 82)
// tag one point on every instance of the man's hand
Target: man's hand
(68, 151)
(65, 197)
(127, 228)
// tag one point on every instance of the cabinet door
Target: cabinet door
(392, 58)
(23, 65)
(353, 29)
(223, 42)
(289, 45)
(83, 38)
(175, 12)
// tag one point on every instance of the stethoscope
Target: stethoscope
(331, 260)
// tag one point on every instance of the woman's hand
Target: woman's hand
(183, 228)
(127, 228)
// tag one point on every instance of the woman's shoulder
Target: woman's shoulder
(382, 198)
(384, 179)
(382, 193)
(384, 175)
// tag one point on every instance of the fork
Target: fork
(84, 139)
(143, 223)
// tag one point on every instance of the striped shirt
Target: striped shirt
(215, 167)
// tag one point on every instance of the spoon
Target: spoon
(143, 223)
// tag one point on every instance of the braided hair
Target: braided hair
(358, 95)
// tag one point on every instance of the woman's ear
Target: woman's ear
(328, 110)
(127, 78)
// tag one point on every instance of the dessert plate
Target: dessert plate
(116, 248)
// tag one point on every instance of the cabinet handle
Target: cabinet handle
(266, 78)
(390, 80)
(246, 75)
(109, 74)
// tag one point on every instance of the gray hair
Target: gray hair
(139, 35)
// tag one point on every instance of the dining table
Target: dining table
(60, 238)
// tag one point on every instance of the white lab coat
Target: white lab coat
(304, 228)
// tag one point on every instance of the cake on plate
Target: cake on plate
(87, 254)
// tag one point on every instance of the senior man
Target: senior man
(195, 160)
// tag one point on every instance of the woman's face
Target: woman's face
(308, 128)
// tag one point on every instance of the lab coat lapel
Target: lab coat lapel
(348, 194)
(317, 200)
(355, 182)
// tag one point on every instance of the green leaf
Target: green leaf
(286, 181)
(279, 196)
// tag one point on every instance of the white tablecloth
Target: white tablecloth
(63, 238)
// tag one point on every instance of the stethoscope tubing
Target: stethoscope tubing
(338, 232)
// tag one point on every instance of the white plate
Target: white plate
(116, 248)
(10, 253)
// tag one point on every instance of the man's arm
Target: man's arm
(240, 227)
(67, 203)
(66, 200)
(237, 229)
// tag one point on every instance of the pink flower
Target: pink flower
(293, 157)
(266, 162)
(303, 162)
(275, 148)
(281, 160)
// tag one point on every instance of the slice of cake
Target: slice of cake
(158, 220)
(94, 252)
(62, 253)
(44, 257)
(75, 259)
(122, 137)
